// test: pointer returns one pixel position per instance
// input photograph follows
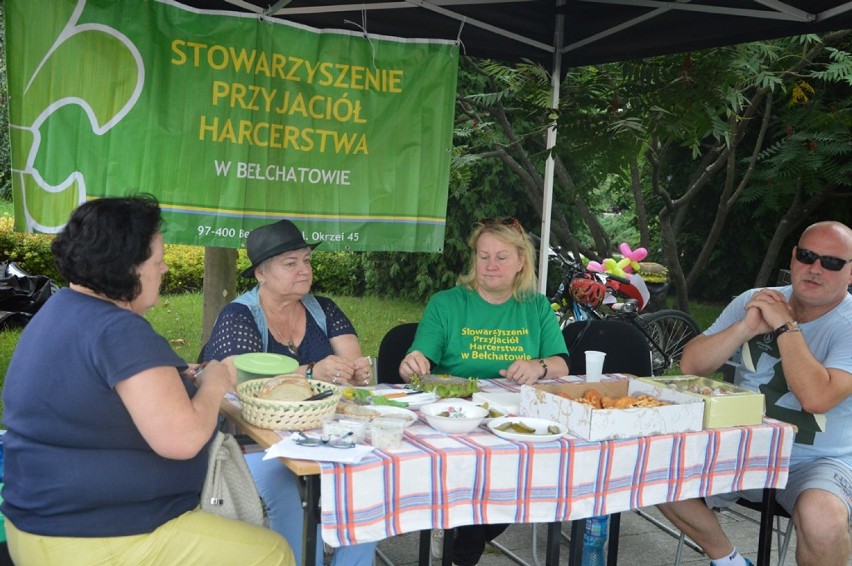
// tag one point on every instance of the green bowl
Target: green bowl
(257, 365)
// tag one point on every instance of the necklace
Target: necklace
(290, 345)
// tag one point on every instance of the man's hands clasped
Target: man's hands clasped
(767, 310)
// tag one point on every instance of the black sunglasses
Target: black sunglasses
(336, 442)
(828, 262)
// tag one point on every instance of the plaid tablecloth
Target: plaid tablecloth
(439, 481)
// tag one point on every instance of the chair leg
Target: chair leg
(383, 557)
(449, 541)
(535, 545)
(679, 551)
(782, 548)
(575, 553)
(612, 545)
(767, 512)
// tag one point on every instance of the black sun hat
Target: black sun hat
(273, 239)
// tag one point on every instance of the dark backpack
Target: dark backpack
(21, 294)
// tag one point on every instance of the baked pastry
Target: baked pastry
(286, 388)
(594, 398)
(356, 411)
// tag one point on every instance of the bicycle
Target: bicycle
(584, 295)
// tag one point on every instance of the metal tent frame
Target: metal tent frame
(561, 33)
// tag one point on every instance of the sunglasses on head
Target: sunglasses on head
(510, 222)
(828, 262)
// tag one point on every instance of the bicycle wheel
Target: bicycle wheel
(670, 329)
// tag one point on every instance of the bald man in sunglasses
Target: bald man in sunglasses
(793, 344)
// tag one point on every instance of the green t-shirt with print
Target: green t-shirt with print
(468, 337)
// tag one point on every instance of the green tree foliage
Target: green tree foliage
(705, 151)
(477, 190)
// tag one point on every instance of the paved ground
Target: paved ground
(641, 544)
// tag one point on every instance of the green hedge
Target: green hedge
(337, 272)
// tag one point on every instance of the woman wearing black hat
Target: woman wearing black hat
(280, 315)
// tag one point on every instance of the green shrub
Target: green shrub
(186, 270)
(30, 251)
(340, 273)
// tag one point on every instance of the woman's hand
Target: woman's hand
(192, 372)
(175, 425)
(363, 371)
(414, 363)
(525, 372)
(338, 371)
(223, 374)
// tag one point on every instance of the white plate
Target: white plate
(540, 426)
(386, 410)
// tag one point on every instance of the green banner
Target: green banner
(231, 121)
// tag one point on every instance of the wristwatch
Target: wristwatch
(791, 326)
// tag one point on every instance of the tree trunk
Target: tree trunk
(791, 221)
(220, 285)
(641, 211)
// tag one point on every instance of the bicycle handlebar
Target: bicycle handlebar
(567, 263)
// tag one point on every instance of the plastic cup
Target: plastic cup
(336, 426)
(386, 434)
(594, 365)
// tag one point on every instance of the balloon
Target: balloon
(595, 266)
(616, 267)
(634, 256)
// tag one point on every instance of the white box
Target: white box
(686, 413)
(504, 401)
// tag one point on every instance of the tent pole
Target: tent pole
(549, 165)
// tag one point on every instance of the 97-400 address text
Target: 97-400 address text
(315, 236)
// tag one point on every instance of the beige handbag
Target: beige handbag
(229, 489)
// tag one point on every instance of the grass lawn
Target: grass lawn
(178, 319)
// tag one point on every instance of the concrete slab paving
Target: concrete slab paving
(641, 543)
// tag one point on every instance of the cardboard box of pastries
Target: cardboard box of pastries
(628, 408)
(725, 404)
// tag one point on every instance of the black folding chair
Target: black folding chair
(627, 351)
(392, 349)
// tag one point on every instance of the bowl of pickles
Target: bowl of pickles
(453, 416)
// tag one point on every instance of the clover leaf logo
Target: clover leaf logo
(62, 61)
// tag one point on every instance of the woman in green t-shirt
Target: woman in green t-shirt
(493, 324)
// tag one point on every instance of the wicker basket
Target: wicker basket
(285, 415)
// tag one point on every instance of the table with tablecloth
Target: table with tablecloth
(438, 481)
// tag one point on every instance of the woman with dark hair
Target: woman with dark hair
(106, 443)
